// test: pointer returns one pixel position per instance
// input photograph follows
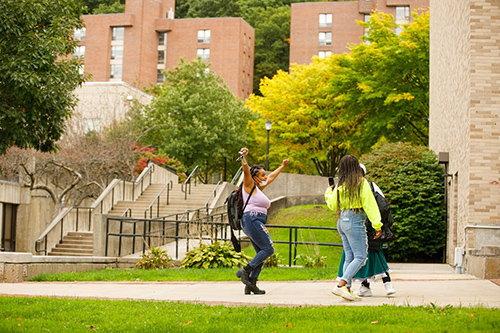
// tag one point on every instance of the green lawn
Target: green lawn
(20, 314)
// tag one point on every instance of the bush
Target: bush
(273, 261)
(156, 258)
(315, 261)
(412, 181)
(219, 254)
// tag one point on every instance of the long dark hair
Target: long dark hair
(351, 178)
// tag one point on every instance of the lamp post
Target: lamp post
(268, 128)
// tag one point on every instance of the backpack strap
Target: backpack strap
(371, 186)
(248, 199)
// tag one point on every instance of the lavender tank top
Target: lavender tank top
(258, 203)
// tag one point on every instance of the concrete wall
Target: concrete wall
(101, 104)
(464, 122)
(20, 267)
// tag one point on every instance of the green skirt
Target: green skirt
(375, 266)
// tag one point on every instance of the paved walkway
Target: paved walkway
(416, 284)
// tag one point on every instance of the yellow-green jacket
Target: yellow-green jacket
(367, 202)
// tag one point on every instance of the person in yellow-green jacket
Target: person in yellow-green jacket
(353, 199)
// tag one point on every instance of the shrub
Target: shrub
(314, 261)
(412, 181)
(273, 261)
(219, 254)
(156, 258)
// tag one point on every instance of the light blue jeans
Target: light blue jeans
(351, 227)
(254, 226)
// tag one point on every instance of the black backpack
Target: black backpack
(235, 209)
(385, 213)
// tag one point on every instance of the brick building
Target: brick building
(326, 28)
(136, 46)
(465, 127)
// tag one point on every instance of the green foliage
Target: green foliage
(315, 261)
(37, 79)
(273, 261)
(412, 181)
(299, 101)
(349, 102)
(92, 5)
(114, 8)
(384, 85)
(218, 254)
(156, 258)
(195, 118)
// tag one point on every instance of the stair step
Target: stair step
(74, 246)
(63, 250)
(70, 254)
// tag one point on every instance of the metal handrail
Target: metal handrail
(140, 180)
(188, 181)
(46, 232)
(126, 213)
(103, 196)
(157, 199)
(213, 194)
(237, 176)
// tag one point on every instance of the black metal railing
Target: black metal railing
(211, 228)
(168, 186)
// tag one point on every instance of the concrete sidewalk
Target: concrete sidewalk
(416, 284)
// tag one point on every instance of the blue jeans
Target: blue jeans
(351, 227)
(254, 226)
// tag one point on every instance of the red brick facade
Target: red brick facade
(344, 29)
(231, 45)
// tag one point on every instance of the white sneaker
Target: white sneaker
(389, 290)
(364, 292)
(343, 292)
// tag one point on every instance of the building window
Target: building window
(79, 52)
(116, 52)
(118, 33)
(325, 38)
(204, 54)
(161, 56)
(162, 38)
(204, 36)
(325, 20)
(160, 76)
(367, 30)
(116, 72)
(80, 34)
(402, 17)
(324, 54)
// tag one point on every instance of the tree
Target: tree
(36, 77)
(412, 181)
(195, 118)
(92, 5)
(114, 8)
(306, 126)
(385, 83)
(82, 168)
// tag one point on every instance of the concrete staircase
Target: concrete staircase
(79, 243)
(177, 204)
